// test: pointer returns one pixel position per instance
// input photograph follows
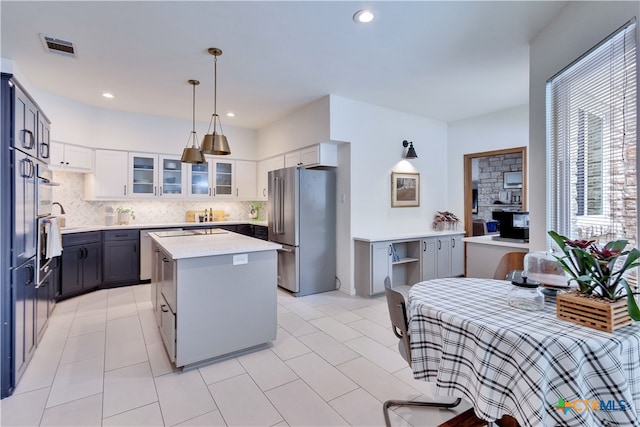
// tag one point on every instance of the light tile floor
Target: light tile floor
(102, 362)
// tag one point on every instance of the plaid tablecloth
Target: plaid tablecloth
(542, 371)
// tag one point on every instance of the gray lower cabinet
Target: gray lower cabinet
(121, 256)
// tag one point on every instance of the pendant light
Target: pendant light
(214, 142)
(193, 154)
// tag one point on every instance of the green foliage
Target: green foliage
(599, 270)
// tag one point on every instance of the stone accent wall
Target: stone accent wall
(491, 183)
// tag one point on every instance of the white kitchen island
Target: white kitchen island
(214, 293)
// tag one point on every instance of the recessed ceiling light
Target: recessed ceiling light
(107, 95)
(230, 114)
(363, 16)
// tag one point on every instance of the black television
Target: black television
(513, 224)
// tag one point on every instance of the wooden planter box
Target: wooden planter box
(593, 313)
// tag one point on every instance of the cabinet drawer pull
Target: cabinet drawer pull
(44, 150)
(424, 246)
(32, 140)
(125, 190)
(453, 243)
(439, 244)
(165, 260)
(164, 308)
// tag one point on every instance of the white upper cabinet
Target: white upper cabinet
(172, 177)
(109, 178)
(69, 157)
(264, 166)
(323, 154)
(199, 181)
(153, 176)
(245, 179)
(143, 175)
(222, 179)
(224, 185)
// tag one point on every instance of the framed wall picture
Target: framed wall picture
(405, 190)
(512, 180)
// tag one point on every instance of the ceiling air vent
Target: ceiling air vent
(54, 45)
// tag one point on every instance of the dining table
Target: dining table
(530, 365)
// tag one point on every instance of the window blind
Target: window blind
(591, 143)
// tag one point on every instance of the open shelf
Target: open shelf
(405, 260)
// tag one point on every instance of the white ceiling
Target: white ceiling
(446, 60)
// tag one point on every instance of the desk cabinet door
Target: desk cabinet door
(457, 256)
(444, 257)
(429, 259)
(381, 265)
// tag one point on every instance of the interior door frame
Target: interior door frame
(468, 180)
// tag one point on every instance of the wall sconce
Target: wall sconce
(411, 152)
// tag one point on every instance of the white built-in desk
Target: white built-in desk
(483, 254)
(406, 259)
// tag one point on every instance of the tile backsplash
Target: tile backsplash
(79, 212)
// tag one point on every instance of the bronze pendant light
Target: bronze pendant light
(193, 154)
(214, 142)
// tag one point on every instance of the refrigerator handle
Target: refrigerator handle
(278, 205)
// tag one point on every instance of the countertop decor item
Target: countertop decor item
(125, 215)
(599, 272)
(214, 142)
(445, 220)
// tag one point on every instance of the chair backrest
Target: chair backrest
(398, 316)
(509, 262)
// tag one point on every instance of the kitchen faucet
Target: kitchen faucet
(62, 212)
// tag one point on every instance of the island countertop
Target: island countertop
(215, 242)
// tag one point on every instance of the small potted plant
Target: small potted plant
(445, 220)
(125, 215)
(599, 271)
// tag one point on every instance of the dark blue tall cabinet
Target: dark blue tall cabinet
(19, 145)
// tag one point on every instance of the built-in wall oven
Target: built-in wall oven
(44, 192)
(44, 254)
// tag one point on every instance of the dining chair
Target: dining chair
(400, 326)
(509, 262)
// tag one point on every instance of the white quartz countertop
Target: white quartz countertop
(140, 226)
(488, 240)
(221, 242)
(412, 235)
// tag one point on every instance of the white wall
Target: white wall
(579, 27)
(77, 123)
(305, 126)
(495, 131)
(375, 135)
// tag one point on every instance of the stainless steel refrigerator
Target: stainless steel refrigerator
(302, 218)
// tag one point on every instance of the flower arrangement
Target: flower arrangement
(445, 217)
(599, 270)
(120, 209)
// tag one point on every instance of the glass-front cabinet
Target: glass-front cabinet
(214, 179)
(172, 177)
(142, 175)
(199, 187)
(156, 176)
(223, 184)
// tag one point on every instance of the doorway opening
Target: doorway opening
(504, 186)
